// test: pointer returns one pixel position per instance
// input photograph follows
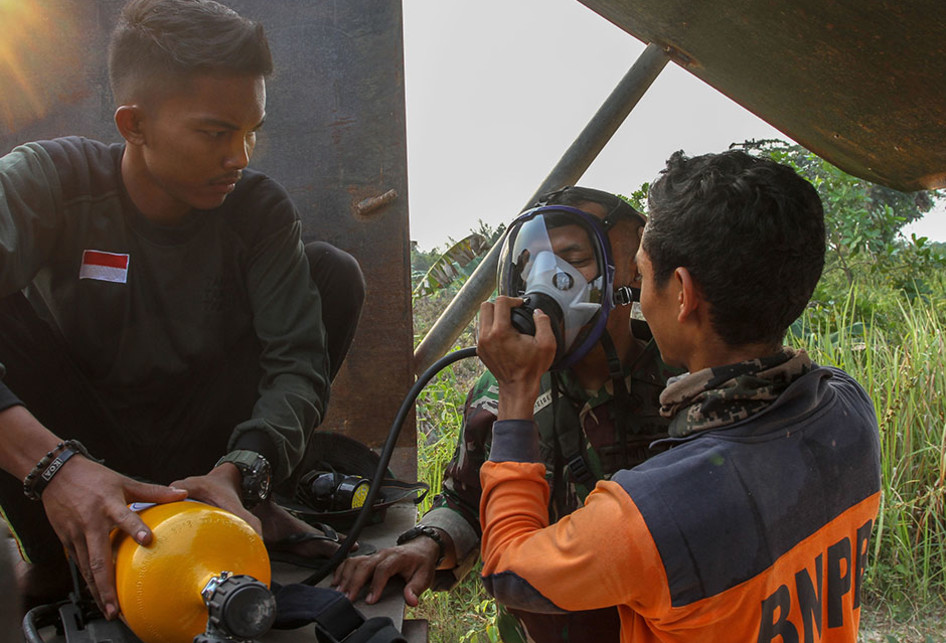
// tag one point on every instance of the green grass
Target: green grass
(894, 346)
(466, 613)
(901, 367)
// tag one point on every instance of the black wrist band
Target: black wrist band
(424, 530)
(51, 471)
(39, 477)
(40, 466)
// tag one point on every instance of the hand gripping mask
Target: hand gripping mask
(558, 259)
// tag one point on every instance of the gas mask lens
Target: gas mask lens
(557, 259)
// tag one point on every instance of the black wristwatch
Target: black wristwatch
(256, 472)
(423, 530)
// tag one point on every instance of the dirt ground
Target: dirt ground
(878, 625)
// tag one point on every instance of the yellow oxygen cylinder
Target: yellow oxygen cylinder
(204, 565)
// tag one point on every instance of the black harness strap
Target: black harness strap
(621, 411)
(569, 443)
(557, 446)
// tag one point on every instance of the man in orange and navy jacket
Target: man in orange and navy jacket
(755, 525)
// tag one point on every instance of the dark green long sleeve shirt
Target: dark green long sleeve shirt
(142, 306)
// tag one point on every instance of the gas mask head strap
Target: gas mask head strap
(616, 208)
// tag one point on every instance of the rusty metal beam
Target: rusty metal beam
(861, 83)
(567, 171)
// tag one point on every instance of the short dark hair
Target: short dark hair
(751, 233)
(161, 41)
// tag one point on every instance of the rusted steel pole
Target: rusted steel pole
(567, 171)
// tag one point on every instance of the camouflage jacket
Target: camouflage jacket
(584, 424)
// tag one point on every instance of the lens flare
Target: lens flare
(41, 51)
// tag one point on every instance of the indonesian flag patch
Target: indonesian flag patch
(104, 266)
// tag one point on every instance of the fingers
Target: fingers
(220, 488)
(544, 336)
(92, 553)
(498, 314)
(503, 305)
(79, 554)
(486, 318)
(98, 569)
(339, 573)
(102, 574)
(507, 353)
(352, 575)
(129, 521)
(382, 574)
(495, 324)
(415, 564)
(422, 578)
(143, 492)
(83, 504)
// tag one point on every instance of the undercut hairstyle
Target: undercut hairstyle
(161, 42)
(751, 233)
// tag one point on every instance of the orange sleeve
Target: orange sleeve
(598, 556)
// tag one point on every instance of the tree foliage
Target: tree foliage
(449, 266)
(434, 271)
(864, 222)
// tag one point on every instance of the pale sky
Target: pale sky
(498, 89)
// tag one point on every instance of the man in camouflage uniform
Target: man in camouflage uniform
(587, 433)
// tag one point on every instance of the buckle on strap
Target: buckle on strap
(581, 473)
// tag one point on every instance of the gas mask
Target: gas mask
(558, 259)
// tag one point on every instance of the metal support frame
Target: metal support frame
(567, 171)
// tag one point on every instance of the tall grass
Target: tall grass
(439, 416)
(900, 365)
(896, 354)
(440, 404)
(465, 614)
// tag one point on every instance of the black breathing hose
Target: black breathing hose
(386, 453)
